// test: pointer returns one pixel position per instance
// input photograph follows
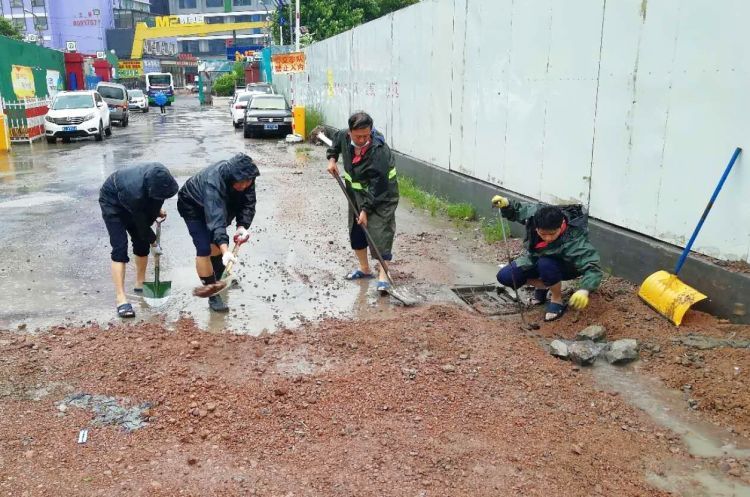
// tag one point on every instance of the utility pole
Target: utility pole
(291, 24)
(296, 27)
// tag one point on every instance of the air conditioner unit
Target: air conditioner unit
(31, 38)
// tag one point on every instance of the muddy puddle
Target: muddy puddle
(708, 444)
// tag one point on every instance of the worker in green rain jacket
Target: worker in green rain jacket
(557, 249)
(370, 177)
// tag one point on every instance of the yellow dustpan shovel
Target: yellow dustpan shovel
(663, 291)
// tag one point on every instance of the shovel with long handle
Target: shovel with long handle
(206, 291)
(157, 289)
(663, 291)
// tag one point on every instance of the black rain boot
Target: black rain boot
(216, 303)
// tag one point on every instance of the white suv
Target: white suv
(77, 114)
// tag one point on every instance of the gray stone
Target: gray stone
(558, 348)
(584, 352)
(622, 351)
(594, 333)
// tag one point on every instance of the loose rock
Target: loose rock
(594, 333)
(622, 351)
(558, 348)
(583, 352)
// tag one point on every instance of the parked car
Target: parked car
(238, 109)
(138, 100)
(77, 114)
(116, 96)
(234, 98)
(260, 89)
(267, 114)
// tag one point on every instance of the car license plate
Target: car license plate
(70, 128)
(271, 126)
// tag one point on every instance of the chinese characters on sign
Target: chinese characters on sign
(129, 69)
(288, 63)
(160, 47)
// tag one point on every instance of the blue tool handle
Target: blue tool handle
(689, 246)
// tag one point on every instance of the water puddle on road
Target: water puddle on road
(704, 441)
(34, 200)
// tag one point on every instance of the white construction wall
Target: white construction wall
(632, 107)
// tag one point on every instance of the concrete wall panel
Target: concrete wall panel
(631, 106)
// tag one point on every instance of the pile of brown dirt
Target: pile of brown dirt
(715, 380)
(434, 402)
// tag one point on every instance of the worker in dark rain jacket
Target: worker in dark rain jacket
(370, 177)
(208, 202)
(557, 249)
(131, 200)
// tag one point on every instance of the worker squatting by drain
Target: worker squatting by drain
(556, 245)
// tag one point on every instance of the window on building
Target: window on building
(123, 19)
(216, 47)
(41, 23)
(190, 46)
(16, 3)
(242, 3)
(243, 18)
(37, 3)
(188, 4)
(19, 23)
(215, 20)
(214, 3)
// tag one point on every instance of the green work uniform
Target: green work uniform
(371, 183)
(572, 248)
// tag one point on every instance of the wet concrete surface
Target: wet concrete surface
(55, 264)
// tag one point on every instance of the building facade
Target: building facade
(31, 17)
(57, 23)
(222, 12)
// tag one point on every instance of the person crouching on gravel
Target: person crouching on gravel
(208, 202)
(557, 249)
(370, 177)
(131, 199)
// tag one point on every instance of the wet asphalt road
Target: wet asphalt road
(55, 257)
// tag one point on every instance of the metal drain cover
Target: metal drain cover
(490, 300)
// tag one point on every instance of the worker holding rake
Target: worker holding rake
(208, 202)
(557, 249)
(371, 184)
(131, 199)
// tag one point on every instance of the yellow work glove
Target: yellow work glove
(579, 300)
(500, 202)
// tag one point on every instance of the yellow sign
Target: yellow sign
(287, 63)
(23, 81)
(129, 68)
(167, 21)
(331, 86)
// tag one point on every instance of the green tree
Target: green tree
(326, 18)
(8, 29)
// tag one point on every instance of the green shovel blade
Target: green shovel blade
(156, 290)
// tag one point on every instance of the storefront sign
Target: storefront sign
(129, 69)
(151, 65)
(242, 53)
(167, 21)
(23, 81)
(160, 47)
(288, 63)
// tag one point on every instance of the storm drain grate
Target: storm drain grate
(489, 300)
